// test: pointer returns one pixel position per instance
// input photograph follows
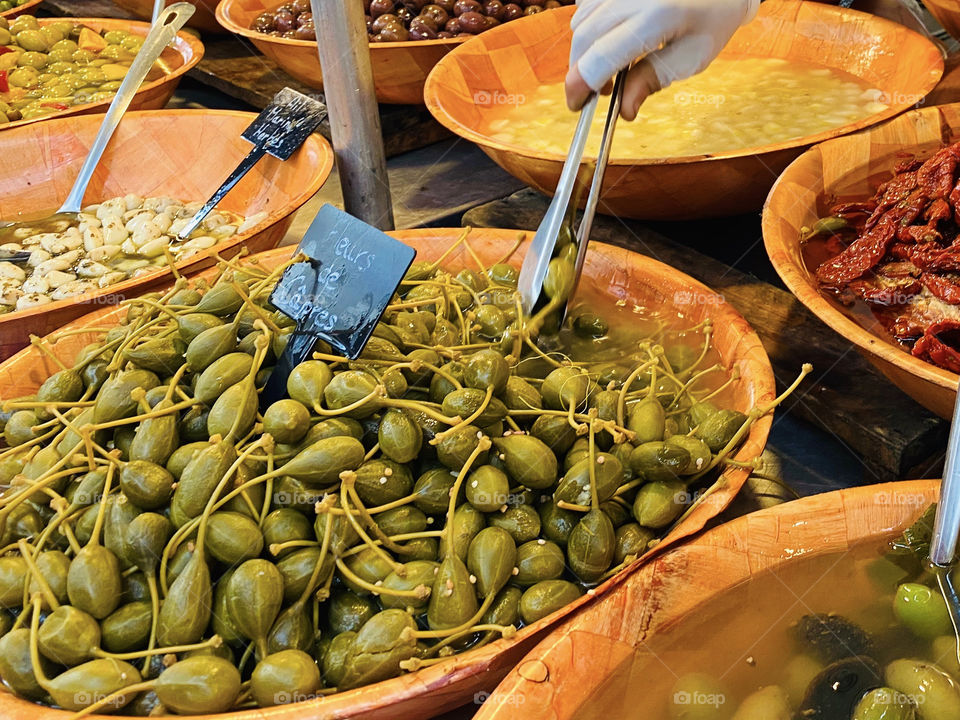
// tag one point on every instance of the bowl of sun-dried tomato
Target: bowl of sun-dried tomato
(865, 231)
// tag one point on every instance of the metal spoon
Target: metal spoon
(160, 35)
(946, 527)
(535, 263)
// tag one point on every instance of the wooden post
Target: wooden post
(354, 117)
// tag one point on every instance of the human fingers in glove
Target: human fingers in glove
(674, 39)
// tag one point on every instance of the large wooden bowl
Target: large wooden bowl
(616, 637)
(184, 154)
(182, 54)
(454, 681)
(847, 168)
(27, 7)
(203, 19)
(399, 68)
(513, 59)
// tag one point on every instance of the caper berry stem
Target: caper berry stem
(35, 573)
(468, 625)
(345, 506)
(41, 345)
(483, 445)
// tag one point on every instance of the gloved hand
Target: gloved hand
(678, 38)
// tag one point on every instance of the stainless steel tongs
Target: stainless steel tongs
(946, 527)
(534, 268)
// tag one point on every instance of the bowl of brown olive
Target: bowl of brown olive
(407, 37)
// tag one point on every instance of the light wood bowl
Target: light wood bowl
(454, 681)
(184, 154)
(27, 7)
(614, 638)
(947, 13)
(847, 168)
(399, 68)
(182, 54)
(203, 19)
(515, 58)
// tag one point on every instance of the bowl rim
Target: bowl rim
(475, 662)
(434, 93)
(301, 197)
(189, 47)
(223, 14)
(799, 281)
(20, 9)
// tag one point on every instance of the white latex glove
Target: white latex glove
(678, 38)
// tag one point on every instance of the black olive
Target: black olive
(835, 692)
(830, 637)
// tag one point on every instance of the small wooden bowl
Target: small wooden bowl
(615, 638)
(27, 7)
(184, 154)
(399, 68)
(453, 682)
(847, 168)
(947, 13)
(513, 59)
(182, 54)
(203, 19)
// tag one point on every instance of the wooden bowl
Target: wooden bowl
(27, 7)
(947, 13)
(399, 68)
(513, 59)
(454, 681)
(182, 54)
(847, 168)
(616, 638)
(185, 154)
(203, 19)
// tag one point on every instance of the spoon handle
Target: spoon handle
(242, 169)
(943, 544)
(161, 33)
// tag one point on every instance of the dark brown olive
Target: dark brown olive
(301, 6)
(533, 9)
(305, 32)
(265, 22)
(551, 4)
(382, 21)
(453, 26)
(462, 6)
(285, 22)
(473, 22)
(406, 15)
(394, 33)
(511, 11)
(494, 9)
(424, 24)
(437, 14)
(305, 18)
(380, 7)
(447, 5)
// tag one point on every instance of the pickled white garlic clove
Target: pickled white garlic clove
(9, 271)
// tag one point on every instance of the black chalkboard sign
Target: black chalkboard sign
(285, 123)
(339, 293)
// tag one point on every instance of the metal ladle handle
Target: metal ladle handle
(946, 527)
(161, 33)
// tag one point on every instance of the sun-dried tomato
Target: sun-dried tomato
(942, 287)
(4, 84)
(940, 345)
(861, 255)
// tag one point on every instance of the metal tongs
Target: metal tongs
(946, 527)
(534, 268)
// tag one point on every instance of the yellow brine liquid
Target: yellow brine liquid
(733, 105)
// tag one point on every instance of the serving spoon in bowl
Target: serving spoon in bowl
(161, 33)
